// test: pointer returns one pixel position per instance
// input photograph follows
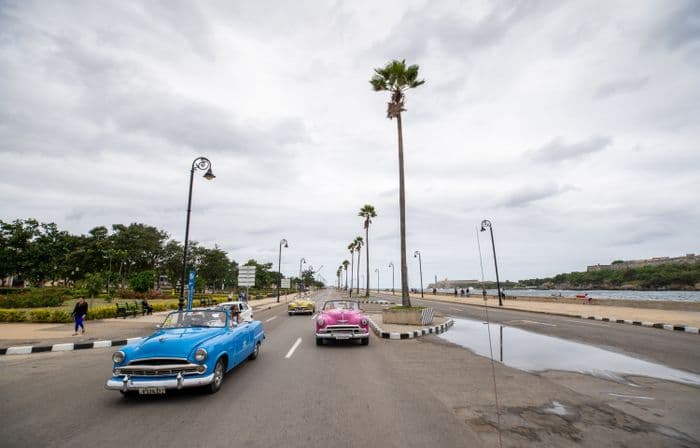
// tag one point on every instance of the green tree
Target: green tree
(367, 212)
(396, 78)
(214, 268)
(93, 284)
(142, 281)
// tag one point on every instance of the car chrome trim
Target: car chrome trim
(161, 370)
(127, 383)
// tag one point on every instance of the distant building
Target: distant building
(655, 261)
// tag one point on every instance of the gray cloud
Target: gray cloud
(528, 194)
(682, 28)
(558, 150)
(620, 86)
(455, 32)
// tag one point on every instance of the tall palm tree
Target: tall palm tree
(367, 212)
(359, 242)
(346, 263)
(396, 78)
(337, 274)
(351, 248)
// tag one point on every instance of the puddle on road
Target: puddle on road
(535, 352)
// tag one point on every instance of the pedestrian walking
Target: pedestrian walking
(79, 312)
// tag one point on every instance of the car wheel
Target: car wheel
(319, 341)
(365, 341)
(255, 353)
(289, 312)
(218, 379)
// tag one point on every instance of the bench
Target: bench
(125, 309)
(207, 301)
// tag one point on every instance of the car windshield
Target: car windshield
(341, 305)
(200, 318)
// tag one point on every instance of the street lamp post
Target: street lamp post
(279, 268)
(391, 265)
(420, 267)
(301, 282)
(377, 271)
(484, 224)
(200, 163)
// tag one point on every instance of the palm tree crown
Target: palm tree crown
(396, 78)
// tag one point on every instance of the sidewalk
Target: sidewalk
(37, 334)
(645, 316)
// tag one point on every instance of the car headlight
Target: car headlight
(118, 357)
(200, 355)
(364, 322)
(320, 322)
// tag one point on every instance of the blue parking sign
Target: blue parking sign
(190, 290)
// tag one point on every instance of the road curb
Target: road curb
(65, 347)
(639, 323)
(658, 325)
(437, 329)
(72, 346)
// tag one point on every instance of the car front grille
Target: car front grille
(343, 329)
(160, 367)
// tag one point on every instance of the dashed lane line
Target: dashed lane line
(271, 319)
(294, 347)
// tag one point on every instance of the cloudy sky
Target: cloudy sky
(572, 126)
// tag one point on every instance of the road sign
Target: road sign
(246, 276)
(190, 290)
(286, 283)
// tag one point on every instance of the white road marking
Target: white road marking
(314, 316)
(271, 319)
(294, 347)
(457, 309)
(631, 396)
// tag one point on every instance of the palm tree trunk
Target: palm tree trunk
(405, 298)
(367, 259)
(352, 269)
(359, 256)
(346, 278)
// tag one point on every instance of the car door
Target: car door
(243, 341)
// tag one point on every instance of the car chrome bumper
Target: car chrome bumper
(342, 336)
(126, 383)
(300, 311)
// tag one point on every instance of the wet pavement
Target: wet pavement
(535, 352)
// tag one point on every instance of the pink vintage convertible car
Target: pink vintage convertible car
(340, 320)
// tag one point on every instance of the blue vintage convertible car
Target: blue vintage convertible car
(191, 348)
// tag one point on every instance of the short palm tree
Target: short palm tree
(396, 78)
(367, 212)
(359, 242)
(351, 248)
(346, 263)
(337, 274)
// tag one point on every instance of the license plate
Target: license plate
(341, 336)
(151, 390)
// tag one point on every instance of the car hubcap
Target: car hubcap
(218, 374)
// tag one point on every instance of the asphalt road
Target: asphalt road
(673, 348)
(424, 392)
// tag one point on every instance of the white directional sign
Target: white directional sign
(246, 276)
(286, 283)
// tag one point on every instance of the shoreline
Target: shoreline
(674, 305)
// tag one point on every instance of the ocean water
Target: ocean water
(681, 296)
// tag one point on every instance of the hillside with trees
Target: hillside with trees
(685, 276)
